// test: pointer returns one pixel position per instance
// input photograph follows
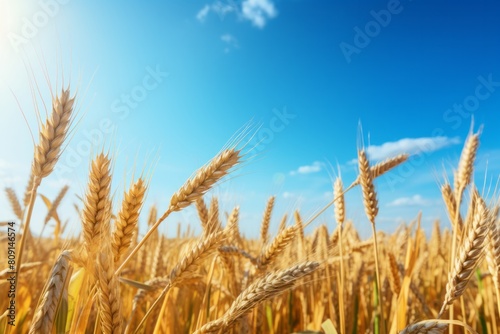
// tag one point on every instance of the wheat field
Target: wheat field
(111, 279)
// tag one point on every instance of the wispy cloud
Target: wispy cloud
(202, 14)
(256, 11)
(230, 41)
(408, 145)
(218, 7)
(415, 200)
(9, 173)
(315, 167)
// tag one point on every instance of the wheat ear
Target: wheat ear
(201, 207)
(193, 189)
(213, 216)
(272, 250)
(384, 166)
(394, 275)
(463, 175)
(52, 136)
(96, 212)
(108, 293)
(128, 217)
(46, 310)
(266, 220)
(265, 288)
(14, 203)
(425, 327)
(451, 206)
(468, 257)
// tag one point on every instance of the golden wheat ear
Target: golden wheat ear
(271, 252)
(127, 219)
(14, 203)
(469, 254)
(428, 326)
(265, 288)
(96, 212)
(108, 294)
(266, 220)
(50, 299)
(193, 189)
(463, 175)
(52, 136)
(366, 180)
(384, 166)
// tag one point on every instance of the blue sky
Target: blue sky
(166, 84)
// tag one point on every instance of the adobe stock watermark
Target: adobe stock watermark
(265, 135)
(31, 26)
(454, 117)
(363, 36)
(120, 108)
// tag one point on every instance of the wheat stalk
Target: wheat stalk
(339, 211)
(188, 265)
(27, 192)
(47, 152)
(371, 209)
(493, 252)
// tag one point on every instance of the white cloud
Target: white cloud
(222, 9)
(258, 11)
(231, 42)
(287, 195)
(411, 146)
(202, 14)
(308, 169)
(415, 200)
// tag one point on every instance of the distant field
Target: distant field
(112, 280)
